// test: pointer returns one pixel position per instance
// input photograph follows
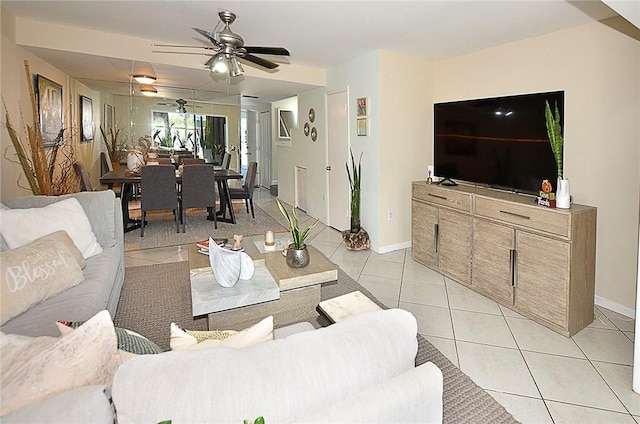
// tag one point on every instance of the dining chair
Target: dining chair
(158, 192)
(191, 161)
(105, 163)
(246, 191)
(198, 191)
(226, 160)
(83, 175)
(164, 161)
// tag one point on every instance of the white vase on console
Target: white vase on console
(135, 160)
(563, 198)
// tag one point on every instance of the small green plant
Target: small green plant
(554, 131)
(259, 420)
(354, 181)
(298, 236)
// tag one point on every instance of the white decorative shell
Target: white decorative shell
(225, 264)
(228, 266)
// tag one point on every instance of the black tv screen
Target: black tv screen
(499, 142)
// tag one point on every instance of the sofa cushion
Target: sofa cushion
(38, 368)
(37, 271)
(281, 380)
(98, 206)
(21, 226)
(193, 340)
(87, 404)
(130, 343)
(78, 303)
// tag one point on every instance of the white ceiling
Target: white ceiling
(319, 34)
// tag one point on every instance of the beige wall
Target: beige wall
(406, 134)
(597, 68)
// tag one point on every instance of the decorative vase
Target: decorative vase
(297, 258)
(563, 198)
(115, 165)
(135, 160)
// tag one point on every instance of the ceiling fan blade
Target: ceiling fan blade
(178, 46)
(208, 35)
(260, 61)
(281, 51)
(170, 52)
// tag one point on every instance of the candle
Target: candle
(269, 239)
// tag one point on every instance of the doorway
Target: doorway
(338, 211)
(265, 150)
(249, 150)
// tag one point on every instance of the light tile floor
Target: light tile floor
(537, 374)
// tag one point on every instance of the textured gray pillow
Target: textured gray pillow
(37, 271)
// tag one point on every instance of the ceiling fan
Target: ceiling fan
(229, 47)
(179, 104)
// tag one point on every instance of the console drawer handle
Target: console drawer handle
(436, 196)
(517, 215)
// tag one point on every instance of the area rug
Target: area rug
(153, 296)
(160, 230)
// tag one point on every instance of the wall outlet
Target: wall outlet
(390, 215)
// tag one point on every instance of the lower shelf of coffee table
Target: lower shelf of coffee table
(292, 303)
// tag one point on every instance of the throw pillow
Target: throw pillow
(21, 226)
(37, 368)
(37, 271)
(130, 343)
(186, 340)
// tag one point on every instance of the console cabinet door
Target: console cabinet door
(424, 233)
(493, 256)
(454, 245)
(542, 277)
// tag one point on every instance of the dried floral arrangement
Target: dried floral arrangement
(48, 172)
(115, 142)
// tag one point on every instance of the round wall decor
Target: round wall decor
(312, 115)
(314, 134)
(307, 128)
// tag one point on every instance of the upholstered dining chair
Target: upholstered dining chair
(191, 161)
(226, 160)
(158, 192)
(246, 192)
(83, 175)
(198, 191)
(164, 161)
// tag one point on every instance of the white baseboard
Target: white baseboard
(615, 307)
(391, 248)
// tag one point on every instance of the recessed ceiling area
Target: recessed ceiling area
(318, 34)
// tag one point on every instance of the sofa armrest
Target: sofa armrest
(87, 404)
(413, 396)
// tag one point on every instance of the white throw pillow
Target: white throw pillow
(21, 226)
(37, 368)
(258, 333)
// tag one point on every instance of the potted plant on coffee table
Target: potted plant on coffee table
(296, 253)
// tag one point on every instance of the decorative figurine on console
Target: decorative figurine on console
(547, 197)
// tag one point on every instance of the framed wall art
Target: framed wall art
(49, 109)
(86, 117)
(362, 107)
(362, 126)
(107, 124)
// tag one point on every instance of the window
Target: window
(196, 133)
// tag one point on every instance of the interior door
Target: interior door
(265, 149)
(252, 152)
(337, 155)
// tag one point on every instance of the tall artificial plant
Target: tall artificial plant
(554, 131)
(354, 181)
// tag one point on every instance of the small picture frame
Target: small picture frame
(86, 117)
(362, 106)
(362, 126)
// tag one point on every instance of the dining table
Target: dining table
(128, 180)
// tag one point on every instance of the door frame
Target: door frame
(326, 154)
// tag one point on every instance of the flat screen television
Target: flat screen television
(498, 142)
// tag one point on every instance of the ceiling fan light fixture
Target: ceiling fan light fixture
(148, 90)
(236, 67)
(144, 79)
(219, 64)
